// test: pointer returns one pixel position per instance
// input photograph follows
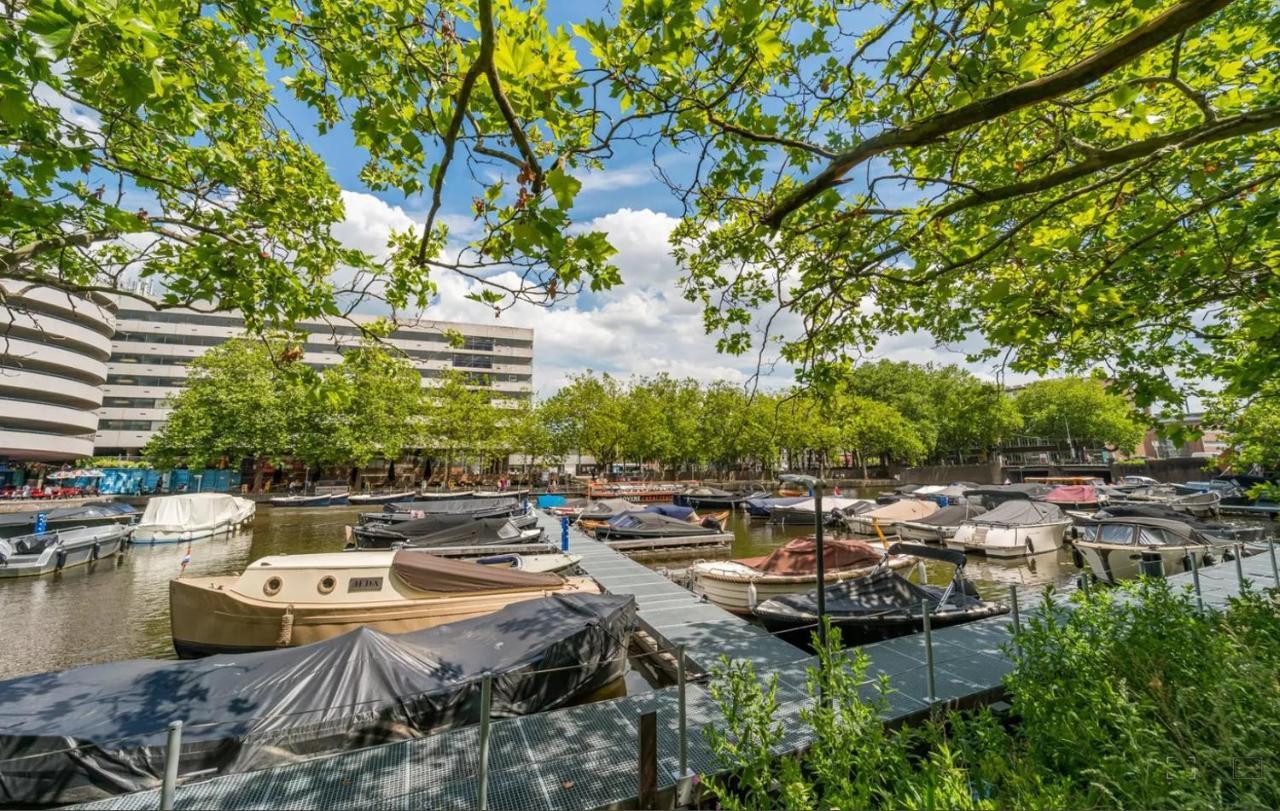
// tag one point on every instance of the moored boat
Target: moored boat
(993, 495)
(60, 549)
(710, 497)
(93, 514)
(1013, 529)
(885, 518)
(1229, 533)
(191, 517)
(834, 508)
(443, 531)
(379, 498)
(314, 500)
(288, 600)
(652, 524)
(939, 526)
(93, 732)
(554, 562)
(763, 506)
(884, 604)
(1075, 497)
(739, 585)
(1118, 549)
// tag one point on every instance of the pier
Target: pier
(586, 756)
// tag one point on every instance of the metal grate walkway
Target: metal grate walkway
(585, 756)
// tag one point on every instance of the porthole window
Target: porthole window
(327, 584)
(272, 586)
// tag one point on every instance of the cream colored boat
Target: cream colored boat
(740, 585)
(288, 600)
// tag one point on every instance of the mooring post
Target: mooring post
(1275, 569)
(648, 795)
(922, 576)
(928, 650)
(1195, 580)
(684, 779)
(482, 772)
(1013, 606)
(1240, 564)
(172, 751)
(564, 533)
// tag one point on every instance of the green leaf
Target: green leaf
(564, 187)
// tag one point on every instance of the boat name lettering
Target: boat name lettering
(365, 584)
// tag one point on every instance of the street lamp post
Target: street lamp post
(815, 486)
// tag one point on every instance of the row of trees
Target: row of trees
(887, 411)
(250, 398)
(255, 399)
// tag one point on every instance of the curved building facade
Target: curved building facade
(54, 349)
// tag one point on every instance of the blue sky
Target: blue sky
(643, 327)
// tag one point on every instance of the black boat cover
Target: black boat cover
(952, 516)
(607, 508)
(495, 506)
(1168, 514)
(429, 533)
(880, 592)
(1021, 513)
(997, 493)
(69, 516)
(256, 710)
(645, 524)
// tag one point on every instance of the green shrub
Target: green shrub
(1133, 698)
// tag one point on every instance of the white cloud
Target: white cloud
(626, 177)
(369, 223)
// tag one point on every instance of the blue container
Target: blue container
(550, 501)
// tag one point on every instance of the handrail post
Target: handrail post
(684, 779)
(173, 748)
(1195, 579)
(1240, 565)
(1275, 569)
(482, 771)
(928, 650)
(1013, 608)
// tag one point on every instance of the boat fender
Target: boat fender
(1077, 557)
(96, 551)
(59, 560)
(286, 628)
(752, 597)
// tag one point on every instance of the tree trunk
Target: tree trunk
(257, 475)
(862, 458)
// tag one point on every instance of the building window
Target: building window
(473, 361)
(125, 425)
(473, 342)
(128, 402)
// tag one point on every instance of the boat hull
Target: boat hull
(380, 498)
(739, 589)
(148, 536)
(929, 533)
(1113, 563)
(66, 556)
(859, 630)
(206, 616)
(1009, 541)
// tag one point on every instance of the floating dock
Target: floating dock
(670, 548)
(586, 756)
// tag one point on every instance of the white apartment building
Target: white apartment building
(53, 360)
(151, 350)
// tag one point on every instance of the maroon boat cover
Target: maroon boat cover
(800, 557)
(1072, 494)
(430, 573)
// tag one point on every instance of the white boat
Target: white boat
(54, 551)
(802, 512)
(190, 517)
(887, 516)
(381, 498)
(941, 525)
(1115, 549)
(1197, 503)
(1013, 529)
(555, 562)
(739, 585)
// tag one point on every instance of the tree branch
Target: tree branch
(1117, 53)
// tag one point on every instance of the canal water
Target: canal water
(119, 608)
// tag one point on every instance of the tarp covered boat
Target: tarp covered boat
(1013, 529)
(475, 506)
(177, 519)
(993, 495)
(762, 507)
(1231, 532)
(883, 604)
(802, 512)
(647, 524)
(451, 531)
(1074, 497)
(93, 514)
(888, 516)
(739, 585)
(940, 525)
(251, 711)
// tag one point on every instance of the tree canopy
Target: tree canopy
(1074, 185)
(1081, 411)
